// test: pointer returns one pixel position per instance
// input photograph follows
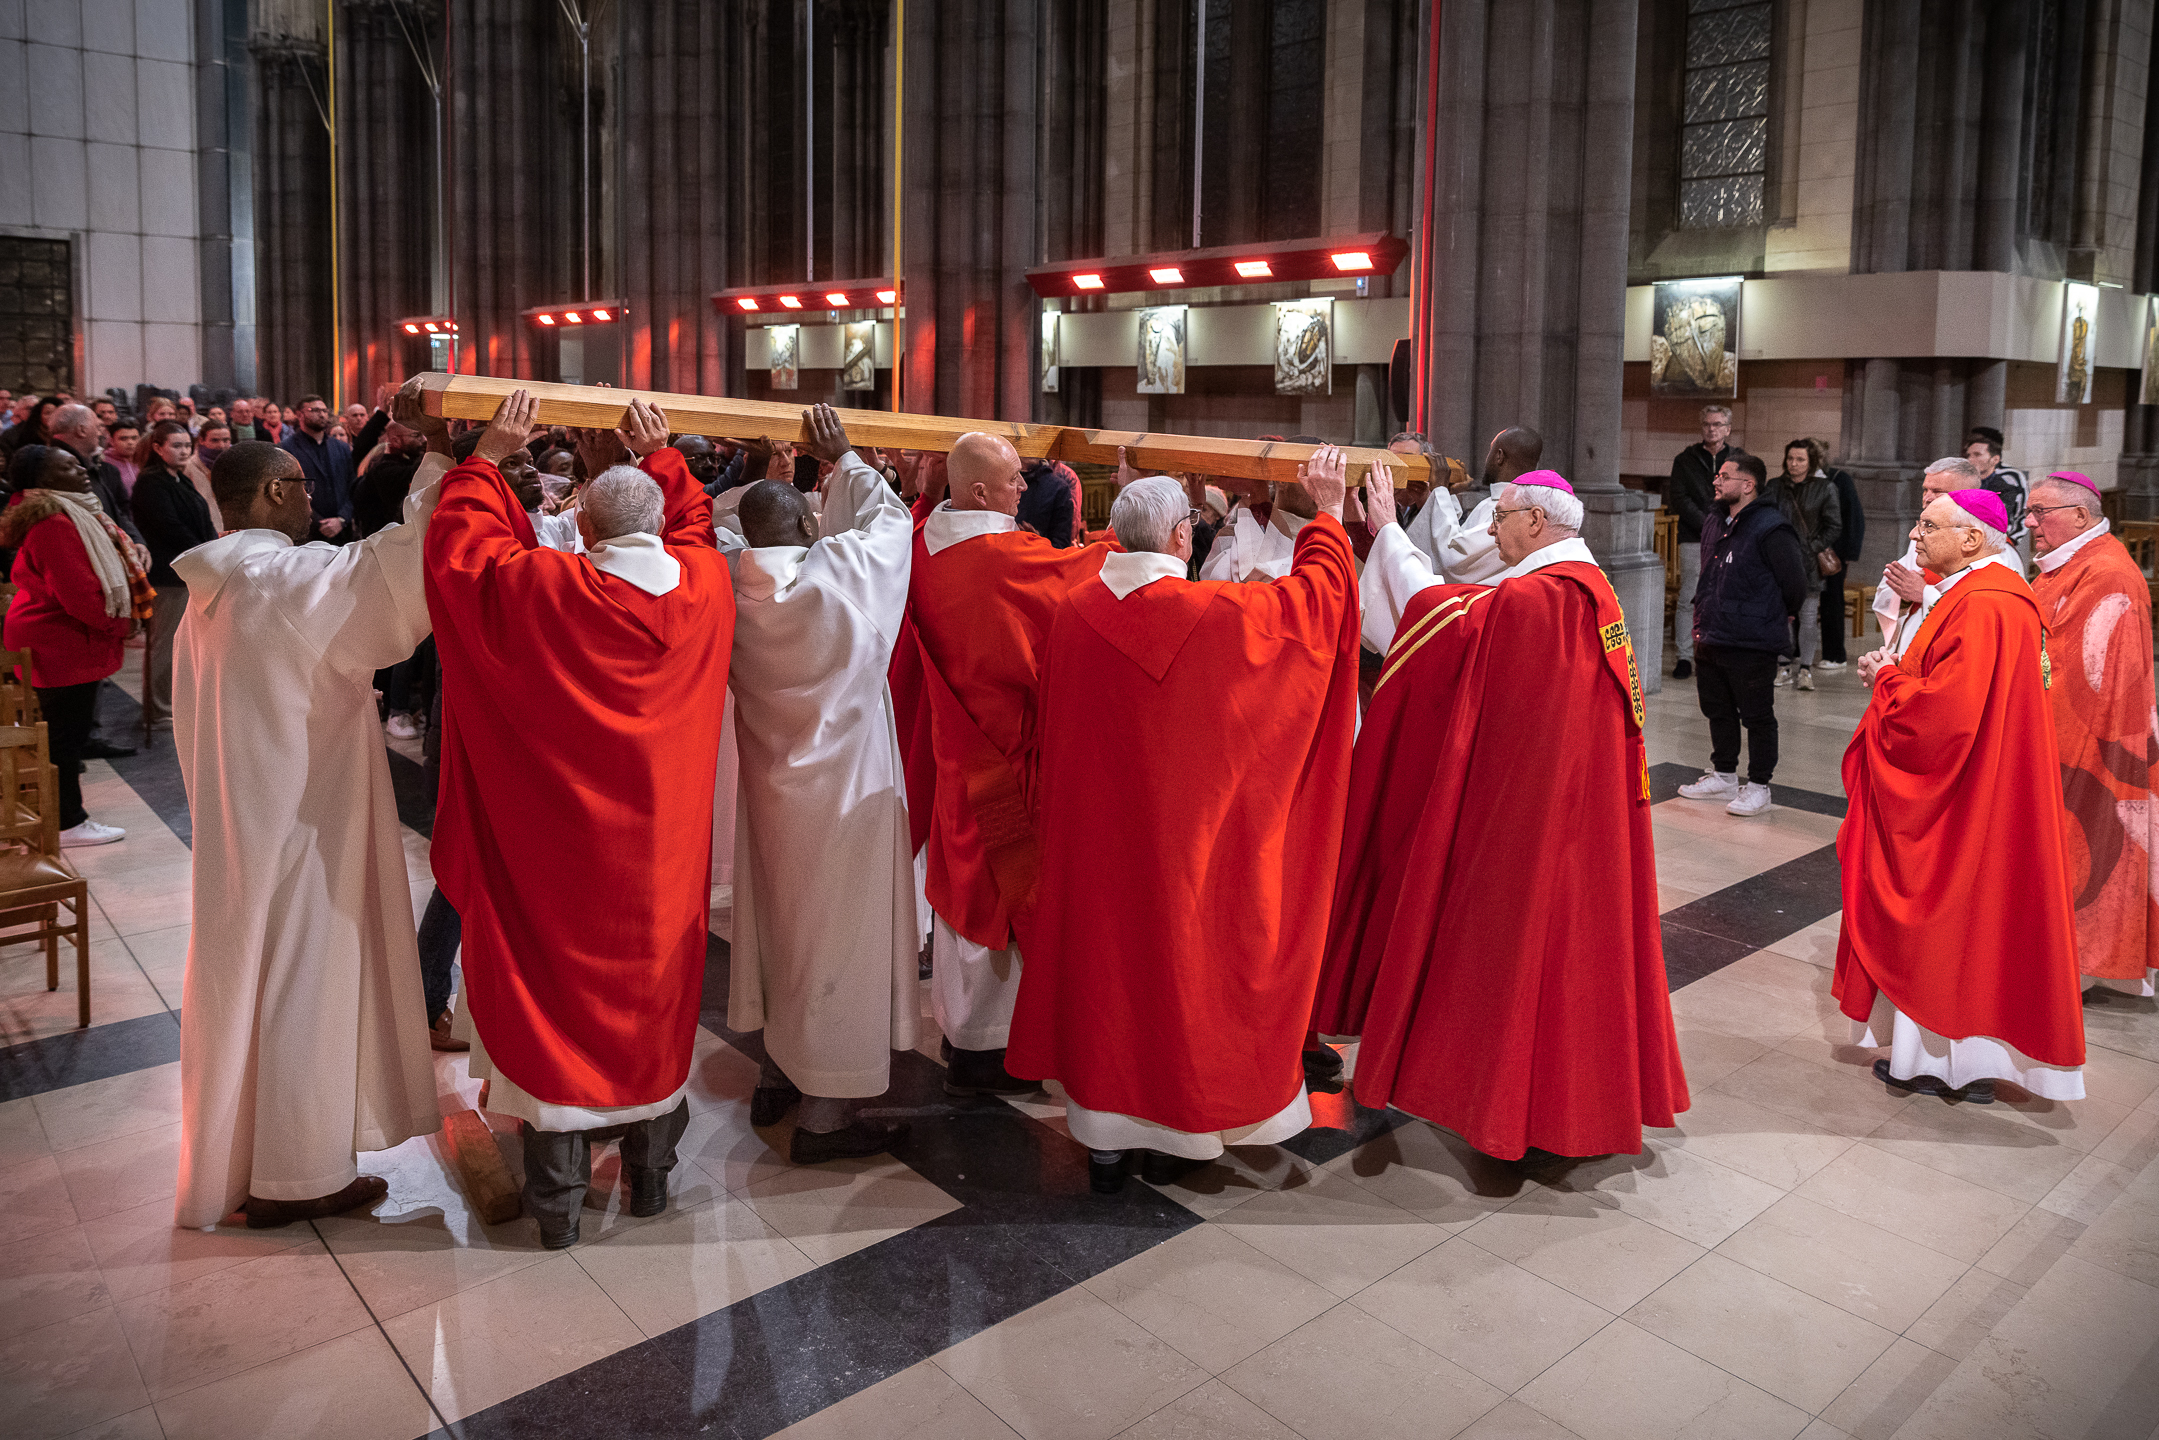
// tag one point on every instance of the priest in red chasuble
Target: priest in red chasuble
(1495, 939)
(2096, 605)
(582, 697)
(1181, 902)
(1958, 950)
(980, 599)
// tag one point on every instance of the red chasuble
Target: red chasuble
(1956, 876)
(574, 827)
(2097, 609)
(1192, 769)
(1495, 937)
(981, 613)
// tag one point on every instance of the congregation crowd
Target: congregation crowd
(924, 716)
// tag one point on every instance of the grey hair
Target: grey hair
(1145, 517)
(70, 418)
(1959, 466)
(623, 501)
(1709, 410)
(1564, 511)
(2070, 492)
(1992, 539)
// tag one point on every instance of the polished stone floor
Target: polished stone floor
(1805, 1254)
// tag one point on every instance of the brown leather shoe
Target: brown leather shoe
(440, 1038)
(270, 1214)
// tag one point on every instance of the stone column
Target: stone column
(225, 200)
(1525, 320)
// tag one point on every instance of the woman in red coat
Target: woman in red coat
(72, 610)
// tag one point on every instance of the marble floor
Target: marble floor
(1805, 1254)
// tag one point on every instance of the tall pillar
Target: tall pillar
(1524, 321)
(970, 209)
(225, 200)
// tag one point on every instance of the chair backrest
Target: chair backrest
(29, 790)
(18, 701)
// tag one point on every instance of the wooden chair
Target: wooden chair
(18, 701)
(1858, 606)
(1667, 547)
(2141, 537)
(41, 896)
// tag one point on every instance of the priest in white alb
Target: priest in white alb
(825, 929)
(303, 1038)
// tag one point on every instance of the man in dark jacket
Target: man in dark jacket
(1047, 506)
(1850, 536)
(1688, 494)
(1754, 579)
(76, 427)
(326, 465)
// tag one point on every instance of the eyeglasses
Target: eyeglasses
(2050, 509)
(1192, 516)
(1928, 527)
(1516, 510)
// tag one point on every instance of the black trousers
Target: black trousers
(1738, 688)
(1835, 623)
(68, 711)
(558, 1163)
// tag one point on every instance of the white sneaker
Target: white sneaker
(1753, 799)
(1714, 785)
(401, 728)
(90, 833)
(1829, 665)
(1784, 674)
(1804, 680)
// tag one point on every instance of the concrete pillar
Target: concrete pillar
(1524, 324)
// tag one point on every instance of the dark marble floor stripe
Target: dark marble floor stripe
(1763, 909)
(1027, 1229)
(153, 771)
(76, 1057)
(1665, 780)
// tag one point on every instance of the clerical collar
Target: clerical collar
(1571, 548)
(1124, 571)
(947, 527)
(640, 559)
(2059, 556)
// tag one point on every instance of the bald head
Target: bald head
(775, 513)
(258, 487)
(984, 474)
(74, 426)
(1517, 450)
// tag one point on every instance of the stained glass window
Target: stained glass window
(37, 346)
(1724, 130)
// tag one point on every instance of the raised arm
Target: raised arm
(1394, 571)
(868, 544)
(689, 508)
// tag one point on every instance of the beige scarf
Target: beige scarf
(105, 561)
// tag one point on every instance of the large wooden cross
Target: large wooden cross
(475, 397)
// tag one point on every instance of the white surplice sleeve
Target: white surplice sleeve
(1393, 574)
(869, 545)
(365, 609)
(1222, 556)
(1428, 529)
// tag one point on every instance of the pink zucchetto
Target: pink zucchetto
(1551, 479)
(1984, 506)
(2075, 477)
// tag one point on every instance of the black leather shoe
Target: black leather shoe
(1158, 1169)
(769, 1102)
(648, 1190)
(863, 1137)
(99, 750)
(1323, 1068)
(1684, 670)
(1105, 1171)
(982, 1072)
(558, 1237)
(1979, 1092)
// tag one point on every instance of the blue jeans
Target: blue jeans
(440, 932)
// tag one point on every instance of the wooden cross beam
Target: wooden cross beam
(475, 397)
